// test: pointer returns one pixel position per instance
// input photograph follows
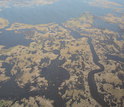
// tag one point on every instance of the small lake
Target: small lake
(11, 39)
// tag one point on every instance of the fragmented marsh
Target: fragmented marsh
(77, 63)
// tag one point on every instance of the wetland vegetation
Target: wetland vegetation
(77, 62)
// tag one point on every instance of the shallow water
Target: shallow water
(11, 39)
(58, 12)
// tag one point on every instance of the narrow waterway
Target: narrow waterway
(115, 58)
(91, 81)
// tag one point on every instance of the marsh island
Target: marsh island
(71, 59)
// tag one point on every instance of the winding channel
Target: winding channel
(55, 76)
(91, 81)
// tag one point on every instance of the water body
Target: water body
(91, 81)
(3, 57)
(10, 89)
(55, 76)
(115, 58)
(101, 24)
(53, 73)
(11, 39)
(58, 12)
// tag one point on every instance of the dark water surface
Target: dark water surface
(11, 39)
(115, 58)
(55, 76)
(57, 12)
(91, 81)
(53, 73)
